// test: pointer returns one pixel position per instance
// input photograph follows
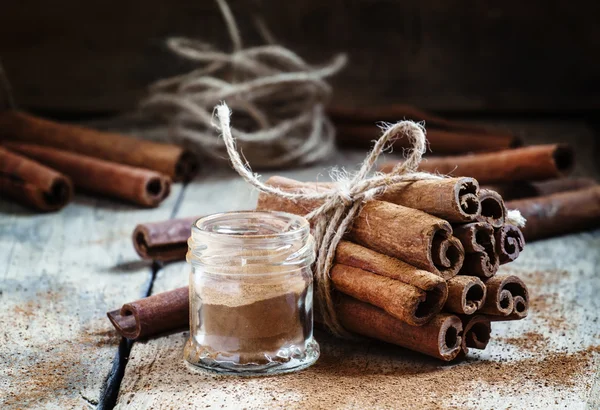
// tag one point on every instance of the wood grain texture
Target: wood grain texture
(448, 55)
(60, 273)
(548, 360)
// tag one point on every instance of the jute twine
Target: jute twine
(342, 203)
(278, 99)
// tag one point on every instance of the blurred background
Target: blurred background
(454, 57)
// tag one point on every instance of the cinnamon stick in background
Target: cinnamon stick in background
(465, 294)
(507, 296)
(478, 241)
(477, 330)
(33, 184)
(509, 243)
(165, 240)
(417, 238)
(559, 214)
(493, 209)
(153, 315)
(137, 185)
(440, 141)
(441, 337)
(528, 189)
(533, 163)
(407, 293)
(168, 159)
(452, 199)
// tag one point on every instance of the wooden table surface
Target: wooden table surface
(61, 272)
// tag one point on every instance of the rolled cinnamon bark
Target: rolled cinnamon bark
(33, 184)
(452, 199)
(465, 294)
(478, 241)
(440, 141)
(493, 209)
(137, 185)
(509, 243)
(168, 159)
(153, 315)
(163, 241)
(440, 338)
(507, 296)
(534, 163)
(559, 214)
(528, 189)
(477, 330)
(410, 235)
(405, 292)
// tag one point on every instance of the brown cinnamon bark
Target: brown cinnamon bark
(509, 243)
(477, 330)
(477, 239)
(507, 296)
(465, 294)
(410, 235)
(440, 141)
(137, 185)
(493, 209)
(33, 184)
(168, 159)
(440, 338)
(407, 293)
(163, 241)
(534, 163)
(528, 189)
(452, 199)
(153, 315)
(559, 214)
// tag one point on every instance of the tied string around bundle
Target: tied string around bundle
(278, 98)
(341, 204)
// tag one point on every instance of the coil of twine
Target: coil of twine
(278, 98)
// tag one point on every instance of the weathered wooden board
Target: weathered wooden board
(449, 55)
(59, 274)
(549, 360)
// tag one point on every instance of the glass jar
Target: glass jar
(251, 293)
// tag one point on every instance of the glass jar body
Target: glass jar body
(251, 307)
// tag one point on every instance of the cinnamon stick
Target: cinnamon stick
(493, 209)
(507, 296)
(465, 294)
(528, 189)
(405, 292)
(452, 199)
(440, 337)
(440, 141)
(509, 243)
(559, 214)
(33, 184)
(163, 241)
(410, 235)
(477, 330)
(168, 159)
(137, 185)
(534, 163)
(153, 315)
(479, 243)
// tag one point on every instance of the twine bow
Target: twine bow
(342, 203)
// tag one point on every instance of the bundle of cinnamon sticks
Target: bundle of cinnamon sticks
(42, 162)
(419, 267)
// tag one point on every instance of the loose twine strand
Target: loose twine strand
(278, 97)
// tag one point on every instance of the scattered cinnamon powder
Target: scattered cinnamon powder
(532, 341)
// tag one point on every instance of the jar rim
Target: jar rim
(300, 224)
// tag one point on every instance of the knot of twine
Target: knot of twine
(341, 204)
(279, 99)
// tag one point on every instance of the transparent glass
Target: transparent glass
(251, 293)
